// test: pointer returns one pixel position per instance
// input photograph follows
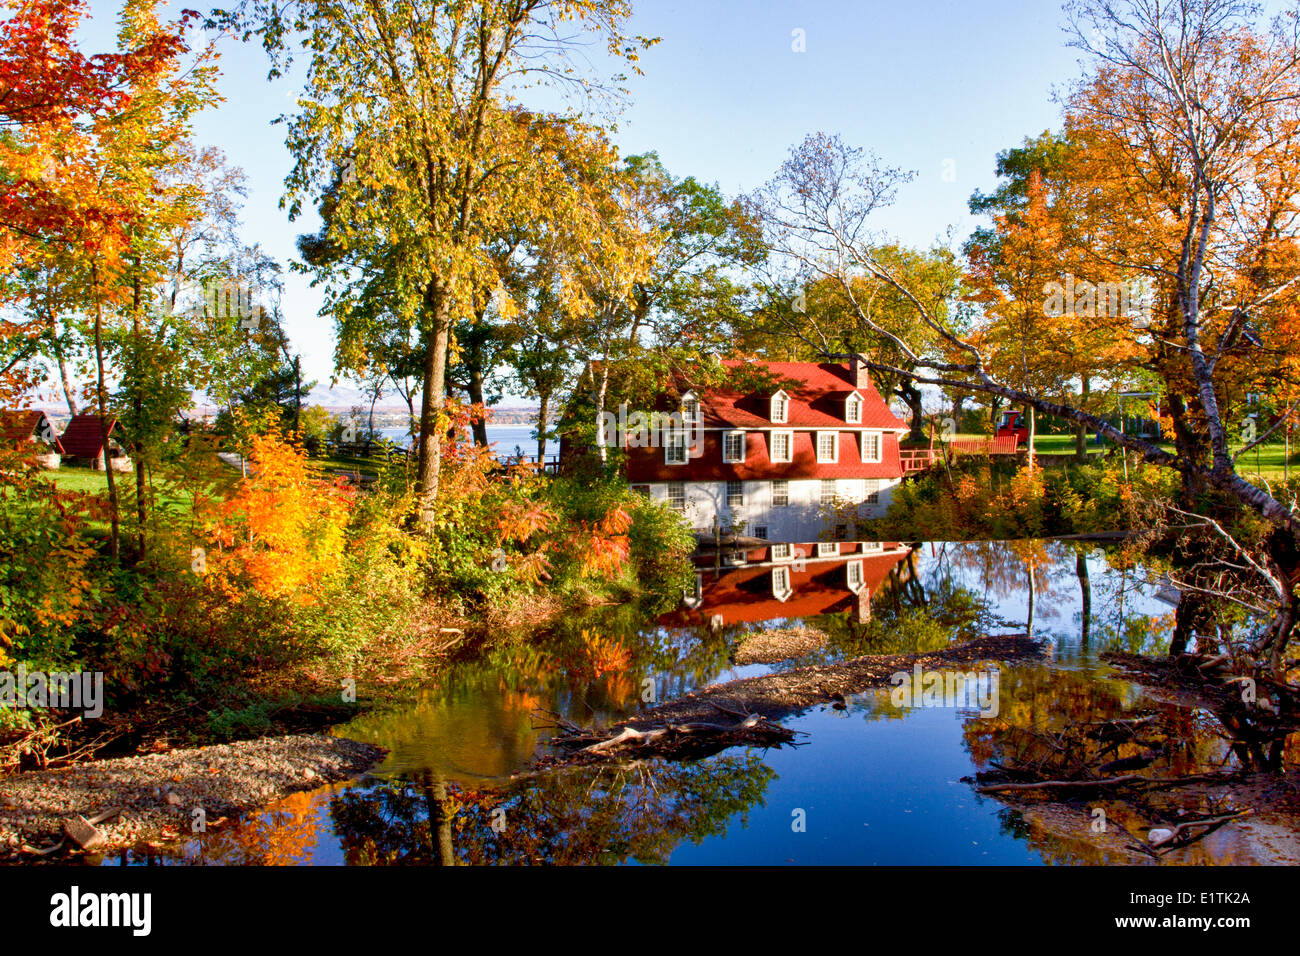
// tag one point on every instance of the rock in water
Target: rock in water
(1159, 837)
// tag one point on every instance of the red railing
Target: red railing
(915, 460)
(1007, 445)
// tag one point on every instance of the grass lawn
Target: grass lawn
(367, 466)
(88, 480)
(1268, 460)
(73, 478)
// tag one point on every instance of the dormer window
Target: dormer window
(780, 408)
(690, 408)
(828, 447)
(853, 409)
(781, 583)
(871, 446)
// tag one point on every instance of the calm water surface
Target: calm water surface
(507, 440)
(873, 783)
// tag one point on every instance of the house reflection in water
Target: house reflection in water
(779, 581)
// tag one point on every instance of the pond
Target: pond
(872, 781)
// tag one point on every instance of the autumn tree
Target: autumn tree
(412, 108)
(1191, 113)
(53, 98)
(671, 292)
(88, 192)
(814, 320)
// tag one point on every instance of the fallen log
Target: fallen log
(786, 692)
(1182, 834)
(1132, 779)
(682, 728)
(673, 741)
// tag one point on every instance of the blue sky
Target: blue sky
(937, 87)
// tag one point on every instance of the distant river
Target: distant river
(505, 439)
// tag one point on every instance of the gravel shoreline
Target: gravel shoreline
(160, 793)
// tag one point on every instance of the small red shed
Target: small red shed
(85, 439)
(28, 425)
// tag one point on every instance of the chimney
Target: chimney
(858, 372)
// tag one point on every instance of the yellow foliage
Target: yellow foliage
(283, 530)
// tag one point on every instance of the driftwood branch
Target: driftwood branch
(670, 740)
(1098, 783)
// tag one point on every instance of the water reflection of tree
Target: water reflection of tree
(590, 668)
(1043, 716)
(282, 835)
(581, 815)
(921, 606)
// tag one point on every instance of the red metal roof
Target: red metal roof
(83, 439)
(19, 425)
(818, 402)
(745, 594)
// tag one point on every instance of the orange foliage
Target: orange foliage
(602, 548)
(601, 655)
(283, 529)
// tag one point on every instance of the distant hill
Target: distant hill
(343, 398)
(514, 416)
(340, 399)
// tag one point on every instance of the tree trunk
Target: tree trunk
(600, 403)
(1085, 596)
(1284, 560)
(1033, 436)
(434, 399)
(1187, 617)
(297, 394)
(114, 533)
(958, 400)
(543, 411)
(1080, 429)
(440, 815)
(1188, 444)
(475, 389)
(137, 406)
(63, 372)
(1033, 597)
(911, 395)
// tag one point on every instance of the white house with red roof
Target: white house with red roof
(792, 580)
(786, 465)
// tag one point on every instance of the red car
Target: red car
(1013, 423)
